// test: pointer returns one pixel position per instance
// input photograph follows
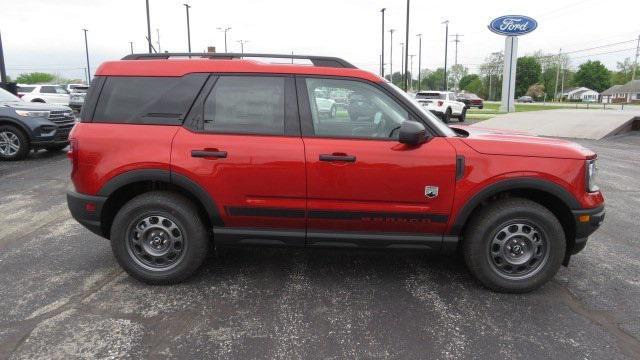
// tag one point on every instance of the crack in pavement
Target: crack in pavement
(628, 344)
(29, 325)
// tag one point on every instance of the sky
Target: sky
(46, 35)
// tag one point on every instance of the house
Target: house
(580, 94)
(613, 95)
(627, 93)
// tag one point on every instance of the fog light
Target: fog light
(584, 218)
(90, 207)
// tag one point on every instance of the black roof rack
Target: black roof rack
(323, 61)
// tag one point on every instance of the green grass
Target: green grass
(491, 109)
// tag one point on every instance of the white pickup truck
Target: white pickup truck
(442, 104)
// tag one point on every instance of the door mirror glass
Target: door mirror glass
(412, 133)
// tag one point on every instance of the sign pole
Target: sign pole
(509, 74)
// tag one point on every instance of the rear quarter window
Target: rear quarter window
(26, 89)
(147, 100)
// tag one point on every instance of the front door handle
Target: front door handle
(337, 157)
(209, 154)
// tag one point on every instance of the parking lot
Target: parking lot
(63, 295)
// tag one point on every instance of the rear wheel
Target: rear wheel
(463, 115)
(333, 112)
(14, 144)
(447, 116)
(514, 245)
(159, 238)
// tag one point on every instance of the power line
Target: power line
(604, 53)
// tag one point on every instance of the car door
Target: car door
(48, 94)
(242, 145)
(364, 188)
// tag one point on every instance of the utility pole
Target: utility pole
(562, 83)
(149, 28)
(635, 64)
(406, 53)
(382, 55)
(456, 41)
(225, 30)
(446, 46)
(419, 59)
(555, 94)
(402, 63)
(3, 70)
(158, 40)
(242, 42)
(187, 6)
(391, 55)
(86, 49)
(131, 45)
(410, 73)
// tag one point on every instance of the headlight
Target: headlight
(591, 174)
(31, 113)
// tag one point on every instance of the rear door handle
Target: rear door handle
(337, 157)
(208, 154)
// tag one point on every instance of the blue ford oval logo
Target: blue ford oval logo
(513, 25)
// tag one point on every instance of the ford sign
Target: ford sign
(513, 25)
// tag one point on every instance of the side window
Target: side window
(48, 90)
(147, 100)
(246, 104)
(60, 90)
(353, 109)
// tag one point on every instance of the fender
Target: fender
(165, 176)
(512, 184)
(18, 124)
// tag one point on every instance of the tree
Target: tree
(593, 75)
(492, 71)
(457, 72)
(475, 86)
(528, 72)
(433, 80)
(35, 78)
(466, 80)
(536, 91)
(623, 75)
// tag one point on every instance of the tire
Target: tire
(333, 112)
(55, 148)
(463, 115)
(14, 144)
(496, 242)
(480, 107)
(447, 116)
(183, 250)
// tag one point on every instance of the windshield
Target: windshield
(430, 95)
(7, 96)
(434, 120)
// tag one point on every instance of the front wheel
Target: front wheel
(463, 115)
(14, 144)
(447, 116)
(159, 238)
(514, 245)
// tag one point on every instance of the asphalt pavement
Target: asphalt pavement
(62, 295)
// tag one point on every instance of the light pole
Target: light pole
(410, 72)
(419, 59)
(391, 54)
(225, 30)
(402, 63)
(406, 53)
(86, 49)
(187, 6)
(446, 43)
(242, 42)
(149, 28)
(382, 56)
(131, 45)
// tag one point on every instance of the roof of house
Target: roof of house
(631, 87)
(575, 90)
(615, 89)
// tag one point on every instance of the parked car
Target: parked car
(54, 94)
(77, 95)
(175, 157)
(443, 104)
(525, 99)
(324, 104)
(471, 100)
(25, 126)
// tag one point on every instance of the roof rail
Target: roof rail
(323, 61)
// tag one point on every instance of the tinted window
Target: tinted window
(430, 95)
(147, 100)
(48, 89)
(367, 113)
(60, 90)
(246, 104)
(26, 89)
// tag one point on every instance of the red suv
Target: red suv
(176, 153)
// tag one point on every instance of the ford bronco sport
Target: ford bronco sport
(176, 153)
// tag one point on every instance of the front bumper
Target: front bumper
(587, 222)
(87, 210)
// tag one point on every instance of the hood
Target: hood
(513, 143)
(23, 105)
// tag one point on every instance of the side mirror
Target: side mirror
(412, 133)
